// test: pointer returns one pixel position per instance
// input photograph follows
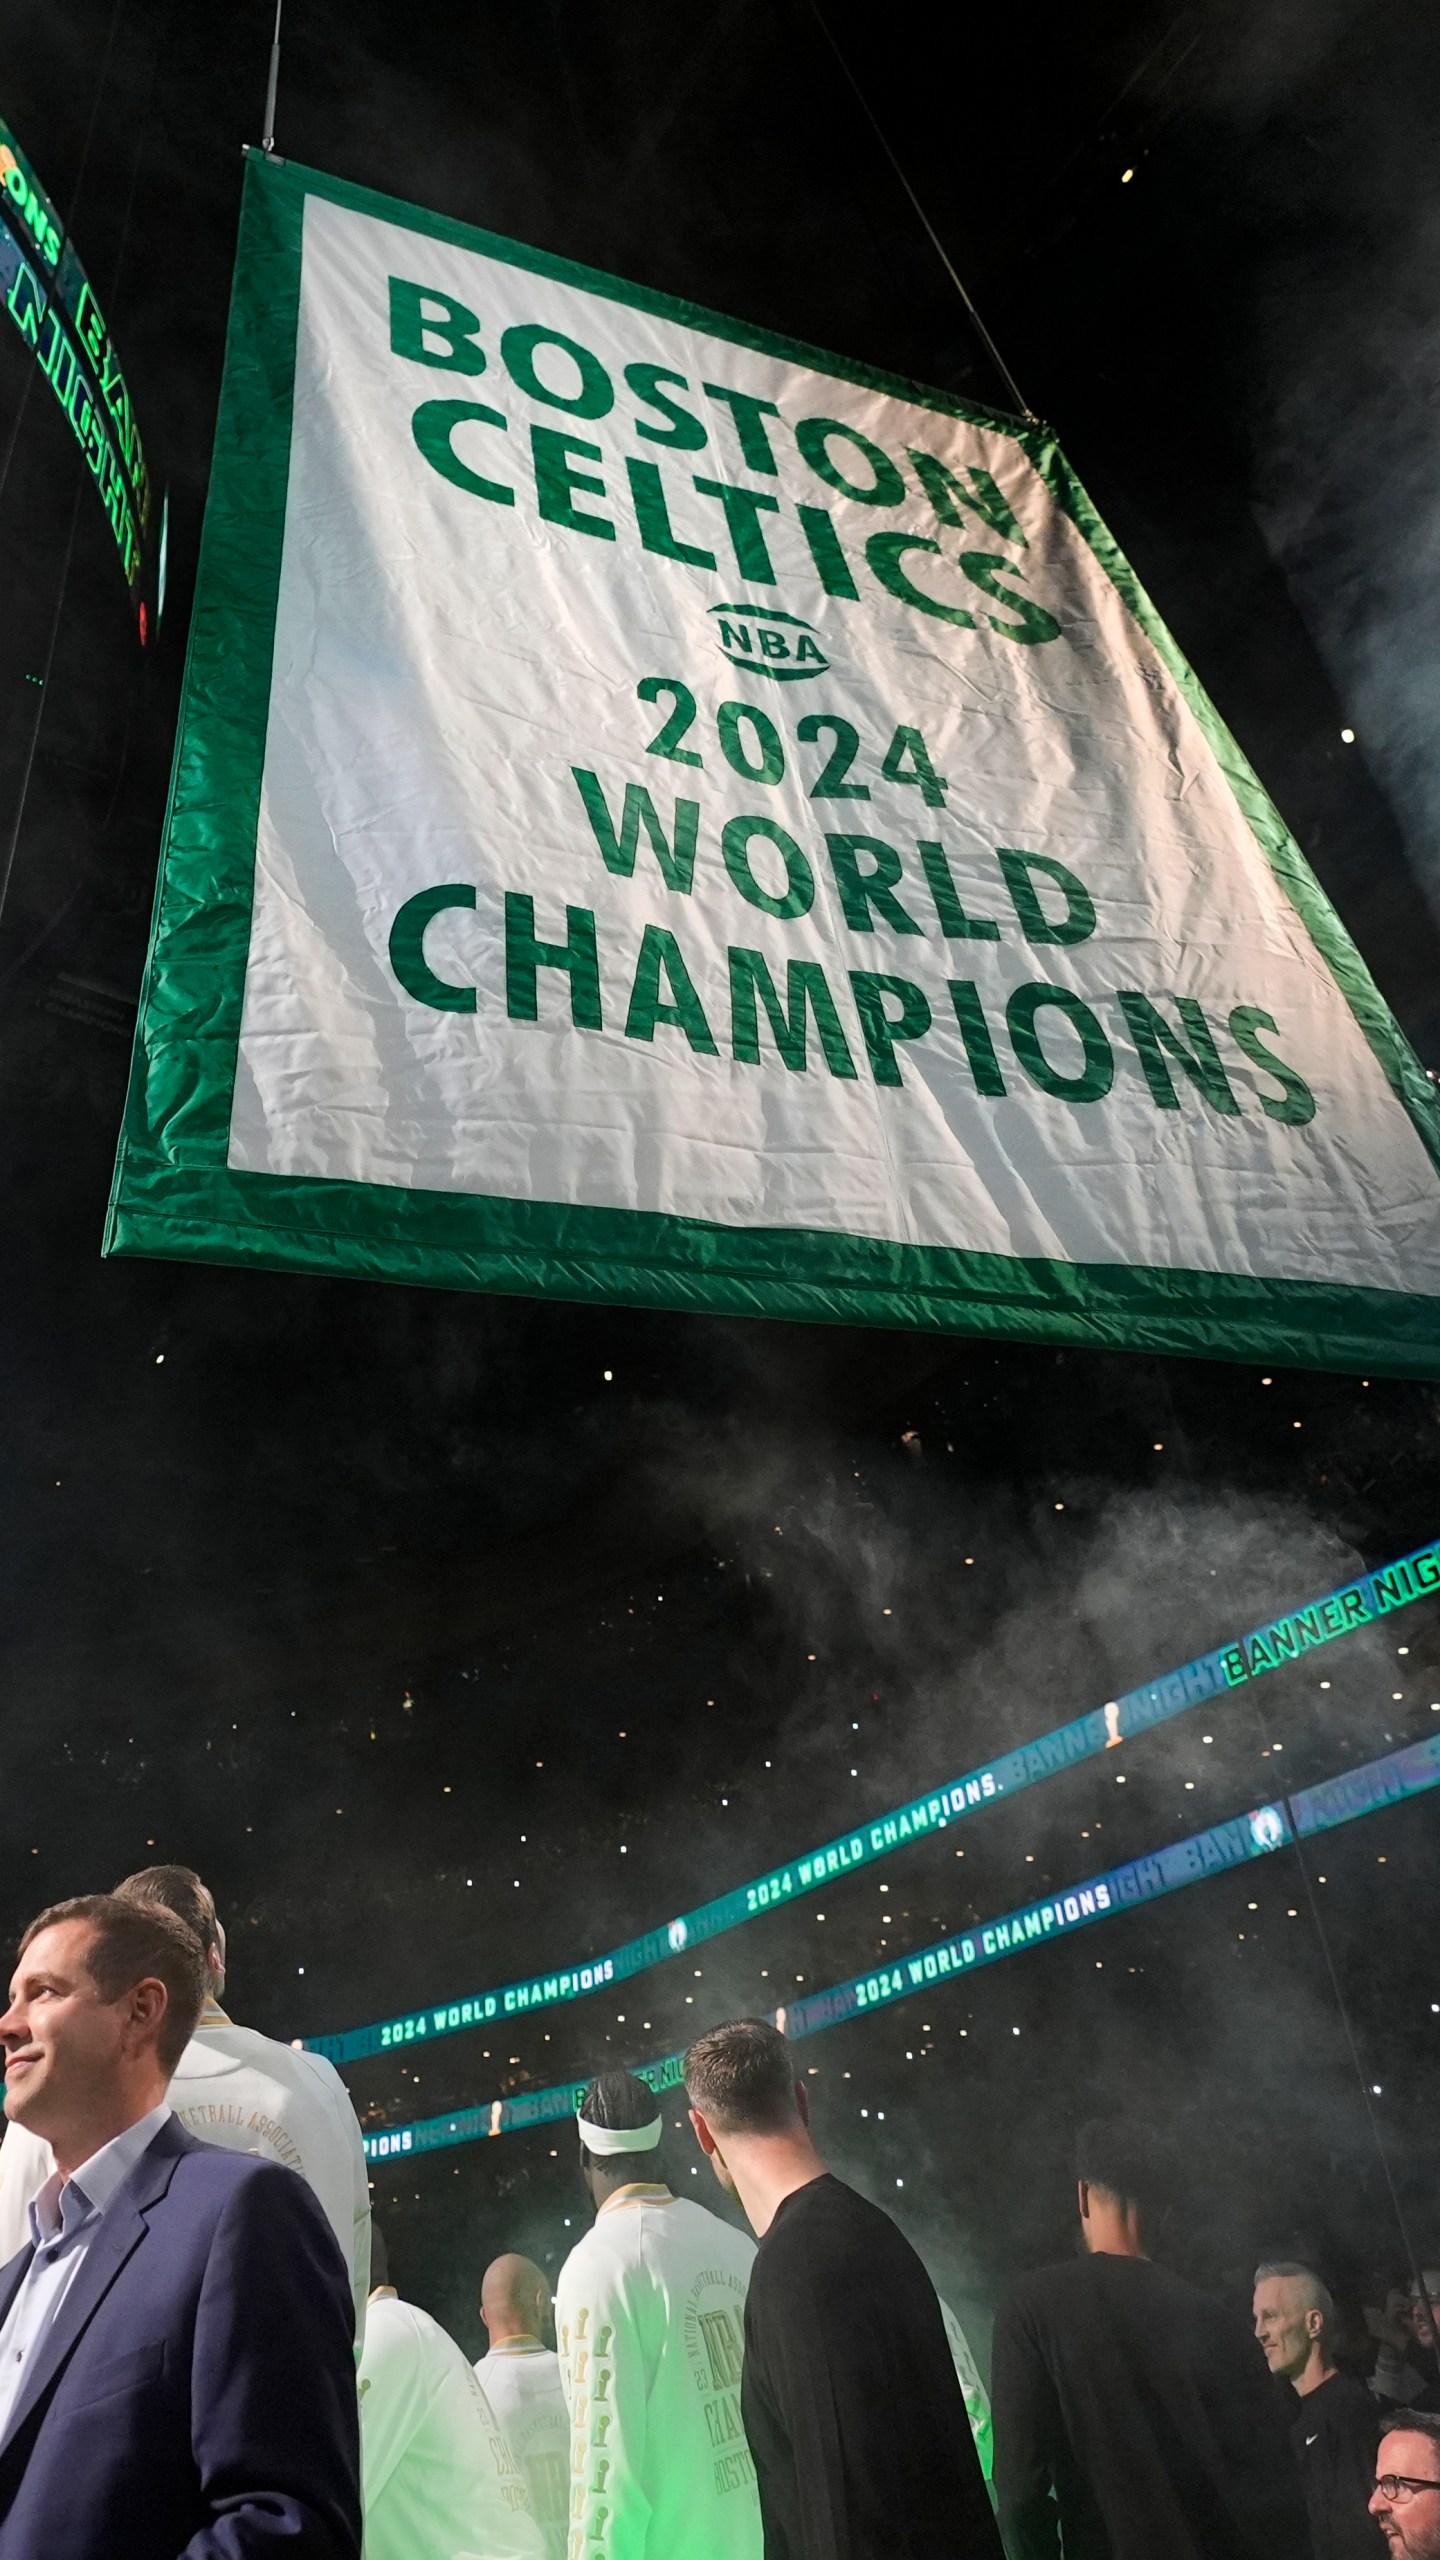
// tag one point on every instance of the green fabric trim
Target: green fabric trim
(173, 1192)
(636, 1257)
(187, 1036)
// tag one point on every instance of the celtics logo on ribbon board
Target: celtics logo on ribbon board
(662, 814)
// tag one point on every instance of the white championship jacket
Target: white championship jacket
(650, 2314)
(976, 2397)
(521, 2381)
(437, 2475)
(246, 2093)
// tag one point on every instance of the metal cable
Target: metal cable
(272, 84)
(938, 245)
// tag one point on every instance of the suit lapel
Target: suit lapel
(12, 2277)
(122, 2228)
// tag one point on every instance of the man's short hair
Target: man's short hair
(1411, 2422)
(620, 2101)
(741, 2078)
(180, 1890)
(1126, 2160)
(1321, 2298)
(133, 1941)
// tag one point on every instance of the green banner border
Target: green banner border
(173, 1192)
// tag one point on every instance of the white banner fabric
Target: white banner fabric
(672, 816)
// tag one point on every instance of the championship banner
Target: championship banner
(665, 815)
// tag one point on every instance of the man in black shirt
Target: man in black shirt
(1133, 2415)
(1334, 2431)
(848, 2391)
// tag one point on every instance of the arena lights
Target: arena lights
(50, 299)
(1356, 1604)
(1258, 1834)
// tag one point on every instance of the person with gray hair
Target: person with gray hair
(1334, 2430)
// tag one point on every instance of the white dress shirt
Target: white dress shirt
(64, 2218)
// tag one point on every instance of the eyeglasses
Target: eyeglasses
(1394, 2487)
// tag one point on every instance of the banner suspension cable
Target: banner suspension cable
(267, 132)
(938, 245)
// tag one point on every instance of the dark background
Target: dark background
(443, 1653)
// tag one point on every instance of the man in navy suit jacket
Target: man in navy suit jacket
(176, 2371)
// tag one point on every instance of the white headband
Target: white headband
(607, 2138)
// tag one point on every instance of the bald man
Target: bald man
(439, 2479)
(1334, 2430)
(520, 2377)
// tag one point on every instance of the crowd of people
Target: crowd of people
(203, 2357)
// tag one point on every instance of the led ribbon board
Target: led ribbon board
(51, 301)
(666, 816)
(1259, 1834)
(1355, 1604)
